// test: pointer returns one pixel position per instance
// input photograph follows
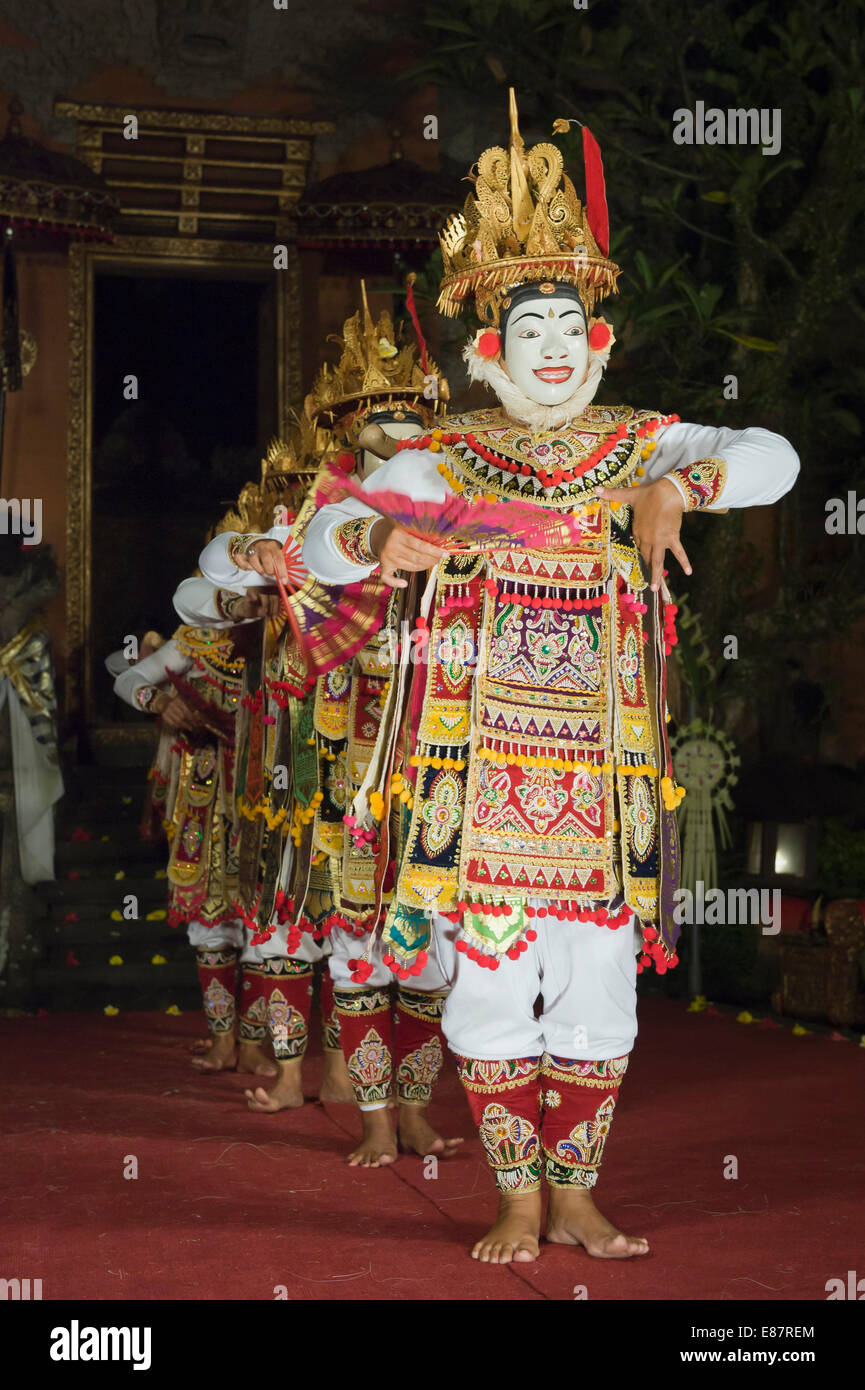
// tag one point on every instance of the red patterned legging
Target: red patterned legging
(375, 1050)
(365, 1035)
(417, 1044)
(542, 1113)
(578, 1099)
(275, 998)
(217, 975)
(505, 1101)
(329, 1015)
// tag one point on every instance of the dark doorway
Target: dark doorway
(166, 465)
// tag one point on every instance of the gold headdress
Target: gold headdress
(525, 223)
(376, 370)
(287, 470)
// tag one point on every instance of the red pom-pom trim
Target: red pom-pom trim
(489, 344)
(599, 337)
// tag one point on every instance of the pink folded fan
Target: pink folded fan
(459, 525)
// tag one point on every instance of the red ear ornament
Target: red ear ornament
(599, 337)
(489, 344)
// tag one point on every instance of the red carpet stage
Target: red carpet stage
(229, 1204)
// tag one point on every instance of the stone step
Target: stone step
(92, 773)
(97, 955)
(95, 783)
(55, 912)
(96, 890)
(94, 931)
(59, 993)
(95, 791)
(98, 816)
(119, 849)
(128, 744)
(116, 982)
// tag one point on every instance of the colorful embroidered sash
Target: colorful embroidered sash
(538, 776)
(427, 879)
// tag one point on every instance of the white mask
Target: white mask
(546, 348)
(397, 429)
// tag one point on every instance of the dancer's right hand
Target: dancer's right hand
(398, 549)
(177, 714)
(265, 557)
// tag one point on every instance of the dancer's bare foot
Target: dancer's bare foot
(336, 1087)
(377, 1146)
(417, 1135)
(514, 1237)
(252, 1057)
(286, 1093)
(573, 1219)
(201, 1045)
(221, 1055)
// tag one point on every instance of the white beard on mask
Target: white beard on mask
(520, 407)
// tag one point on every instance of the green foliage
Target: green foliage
(715, 241)
(841, 859)
(734, 262)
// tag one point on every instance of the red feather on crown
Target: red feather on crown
(597, 215)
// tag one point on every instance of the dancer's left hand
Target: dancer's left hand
(260, 603)
(657, 521)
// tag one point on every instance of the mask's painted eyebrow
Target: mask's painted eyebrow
(568, 312)
(528, 314)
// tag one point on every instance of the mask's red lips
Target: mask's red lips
(554, 374)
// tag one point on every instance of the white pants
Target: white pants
(222, 936)
(347, 947)
(276, 947)
(232, 934)
(586, 975)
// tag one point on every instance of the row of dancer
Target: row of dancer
(456, 754)
(239, 716)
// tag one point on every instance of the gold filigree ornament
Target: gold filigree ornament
(522, 224)
(27, 344)
(27, 353)
(377, 371)
(287, 470)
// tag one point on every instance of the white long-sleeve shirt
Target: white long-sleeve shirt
(223, 573)
(195, 603)
(761, 467)
(195, 599)
(151, 670)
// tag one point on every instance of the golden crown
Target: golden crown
(287, 470)
(376, 369)
(293, 455)
(525, 223)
